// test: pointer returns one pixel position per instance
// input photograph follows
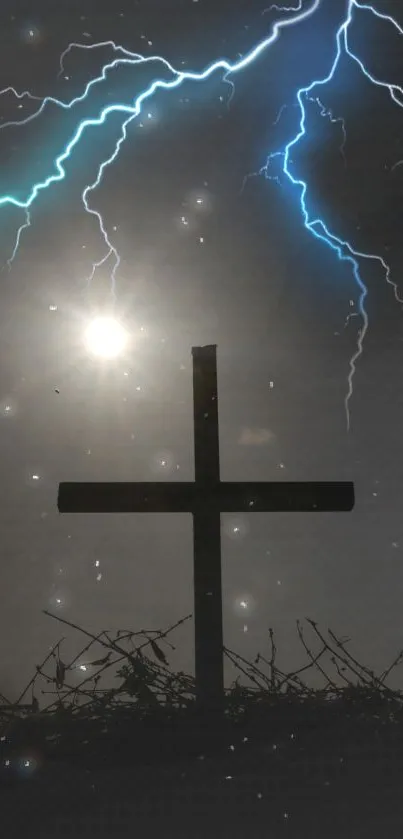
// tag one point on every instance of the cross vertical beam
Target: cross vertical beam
(207, 535)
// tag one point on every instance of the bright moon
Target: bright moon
(105, 338)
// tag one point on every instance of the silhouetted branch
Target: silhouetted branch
(147, 686)
(313, 659)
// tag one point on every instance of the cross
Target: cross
(206, 498)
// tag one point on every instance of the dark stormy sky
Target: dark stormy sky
(205, 257)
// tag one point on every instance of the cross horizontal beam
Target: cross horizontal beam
(220, 497)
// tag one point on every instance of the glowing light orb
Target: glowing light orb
(235, 527)
(245, 605)
(105, 338)
(8, 407)
(162, 461)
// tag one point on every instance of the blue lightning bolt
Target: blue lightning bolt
(316, 226)
(326, 112)
(277, 8)
(177, 78)
(344, 250)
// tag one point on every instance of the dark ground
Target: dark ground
(317, 783)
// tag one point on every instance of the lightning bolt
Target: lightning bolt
(131, 111)
(171, 79)
(277, 8)
(316, 226)
(326, 112)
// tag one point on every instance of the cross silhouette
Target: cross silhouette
(206, 498)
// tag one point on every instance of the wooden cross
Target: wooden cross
(206, 498)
